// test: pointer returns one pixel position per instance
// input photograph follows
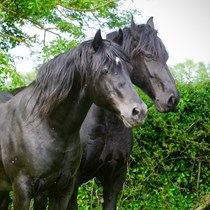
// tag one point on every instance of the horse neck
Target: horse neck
(68, 116)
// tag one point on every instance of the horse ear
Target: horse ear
(97, 40)
(151, 23)
(133, 25)
(119, 38)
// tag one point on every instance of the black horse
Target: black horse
(4, 197)
(40, 149)
(107, 143)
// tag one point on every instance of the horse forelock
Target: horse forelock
(108, 55)
(143, 38)
(56, 77)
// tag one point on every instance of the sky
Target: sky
(183, 26)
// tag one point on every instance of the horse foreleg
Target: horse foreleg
(4, 200)
(73, 205)
(111, 189)
(22, 193)
(40, 202)
(59, 198)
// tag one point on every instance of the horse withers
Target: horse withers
(40, 149)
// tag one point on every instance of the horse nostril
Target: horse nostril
(135, 111)
(171, 101)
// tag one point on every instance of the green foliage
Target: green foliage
(66, 23)
(11, 36)
(20, 19)
(191, 72)
(57, 17)
(90, 195)
(57, 46)
(9, 78)
(169, 150)
(28, 77)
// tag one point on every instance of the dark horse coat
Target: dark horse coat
(40, 148)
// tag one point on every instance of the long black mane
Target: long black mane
(57, 76)
(144, 39)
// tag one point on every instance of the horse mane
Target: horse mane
(142, 38)
(56, 77)
(5, 96)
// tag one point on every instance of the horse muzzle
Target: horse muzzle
(136, 117)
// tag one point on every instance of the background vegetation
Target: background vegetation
(47, 28)
(169, 165)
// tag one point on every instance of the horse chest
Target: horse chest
(44, 155)
(62, 166)
(61, 156)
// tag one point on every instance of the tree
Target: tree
(190, 71)
(73, 17)
(9, 78)
(64, 23)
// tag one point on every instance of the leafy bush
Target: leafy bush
(9, 78)
(170, 162)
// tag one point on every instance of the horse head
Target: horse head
(155, 78)
(148, 57)
(111, 86)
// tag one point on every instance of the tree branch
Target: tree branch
(62, 14)
(199, 174)
(16, 38)
(35, 23)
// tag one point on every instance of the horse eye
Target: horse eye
(106, 71)
(149, 56)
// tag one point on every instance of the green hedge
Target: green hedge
(169, 165)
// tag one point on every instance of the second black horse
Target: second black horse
(107, 143)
